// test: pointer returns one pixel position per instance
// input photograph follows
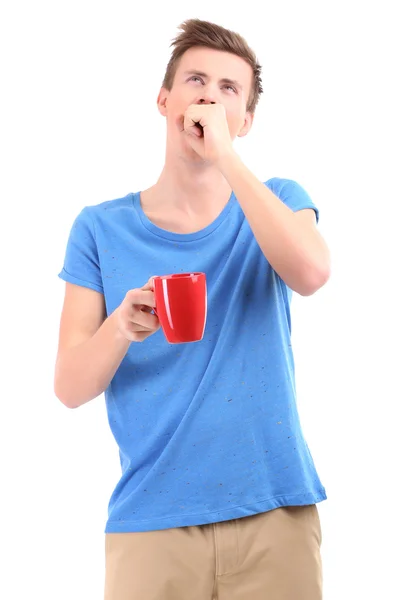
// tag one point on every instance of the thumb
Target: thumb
(149, 285)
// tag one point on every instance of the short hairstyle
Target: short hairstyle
(195, 32)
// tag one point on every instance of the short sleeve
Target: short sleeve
(81, 262)
(292, 194)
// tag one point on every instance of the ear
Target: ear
(248, 122)
(162, 101)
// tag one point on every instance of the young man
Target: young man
(218, 492)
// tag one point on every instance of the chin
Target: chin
(187, 154)
(181, 149)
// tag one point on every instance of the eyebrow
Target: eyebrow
(233, 82)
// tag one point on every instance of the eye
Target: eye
(230, 87)
(195, 77)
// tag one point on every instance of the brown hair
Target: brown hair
(203, 33)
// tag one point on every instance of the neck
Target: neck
(189, 186)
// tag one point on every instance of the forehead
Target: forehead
(216, 64)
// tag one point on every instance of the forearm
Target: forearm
(84, 371)
(298, 254)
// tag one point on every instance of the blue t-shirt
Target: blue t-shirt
(207, 431)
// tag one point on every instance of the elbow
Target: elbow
(65, 398)
(64, 387)
(73, 396)
(313, 280)
(64, 393)
(61, 390)
(70, 404)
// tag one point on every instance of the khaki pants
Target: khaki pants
(273, 555)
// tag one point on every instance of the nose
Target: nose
(205, 100)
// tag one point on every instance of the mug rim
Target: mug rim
(187, 275)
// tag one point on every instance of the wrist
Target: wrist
(228, 161)
(115, 321)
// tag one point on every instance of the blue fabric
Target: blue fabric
(207, 431)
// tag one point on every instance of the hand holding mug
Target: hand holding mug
(135, 319)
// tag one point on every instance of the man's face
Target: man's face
(204, 76)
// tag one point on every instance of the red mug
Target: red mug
(181, 306)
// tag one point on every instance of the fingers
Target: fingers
(138, 336)
(143, 320)
(192, 125)
(137, 322)
(141, 296)
(197, 130)
(136, 319)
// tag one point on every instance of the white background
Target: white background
(79, 125)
